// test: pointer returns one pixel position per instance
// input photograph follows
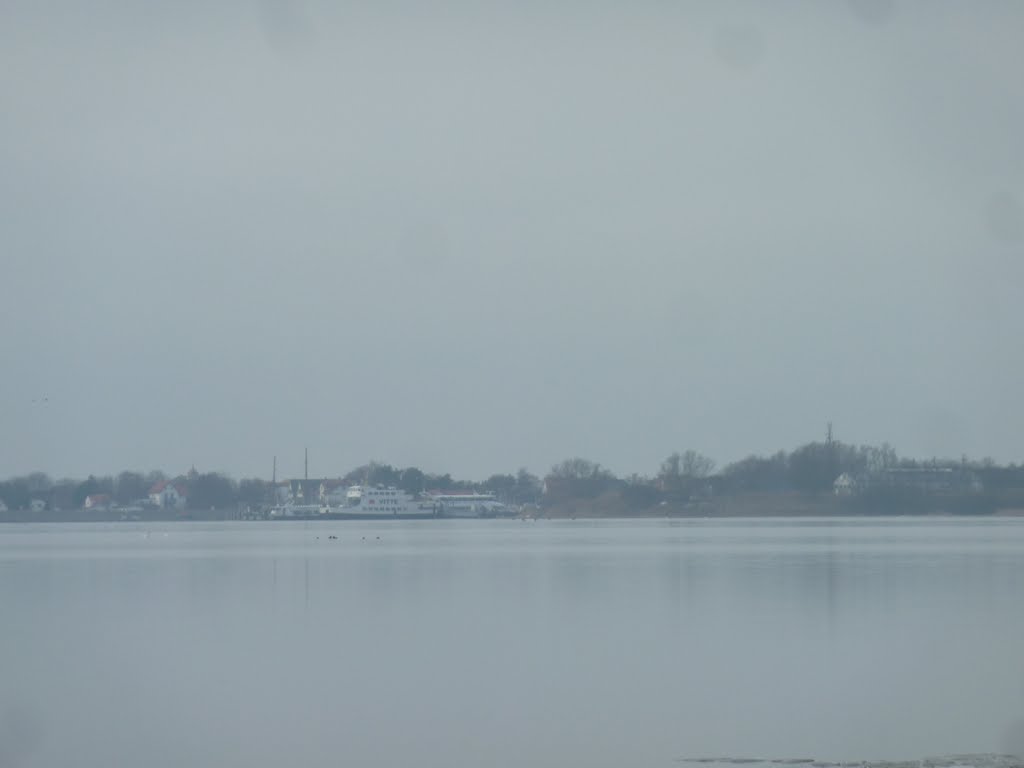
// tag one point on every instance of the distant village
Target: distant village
(818, 478)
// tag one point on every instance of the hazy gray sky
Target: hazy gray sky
(472, 236)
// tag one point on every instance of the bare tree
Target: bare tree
(696, 465)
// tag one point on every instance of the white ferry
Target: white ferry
(469, 504)
(376, 502)
(291, 511)
(363, 502)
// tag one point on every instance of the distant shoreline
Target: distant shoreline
(731, 512)
(618, 504)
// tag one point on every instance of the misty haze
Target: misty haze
(512, 384)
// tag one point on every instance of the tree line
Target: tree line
(810, 468)
(218, 490)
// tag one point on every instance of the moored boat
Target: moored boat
(362, 503)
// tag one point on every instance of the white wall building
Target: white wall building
(844, 485)
(168, 495)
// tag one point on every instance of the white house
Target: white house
(333, 492)
(844, 485)
(168, 494)
(3, 507)
(283, 493)
(37, 505)
(97, 501)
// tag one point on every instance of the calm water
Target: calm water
(503, 643)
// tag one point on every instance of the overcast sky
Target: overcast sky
(474, 236)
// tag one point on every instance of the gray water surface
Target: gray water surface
(508, 643)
